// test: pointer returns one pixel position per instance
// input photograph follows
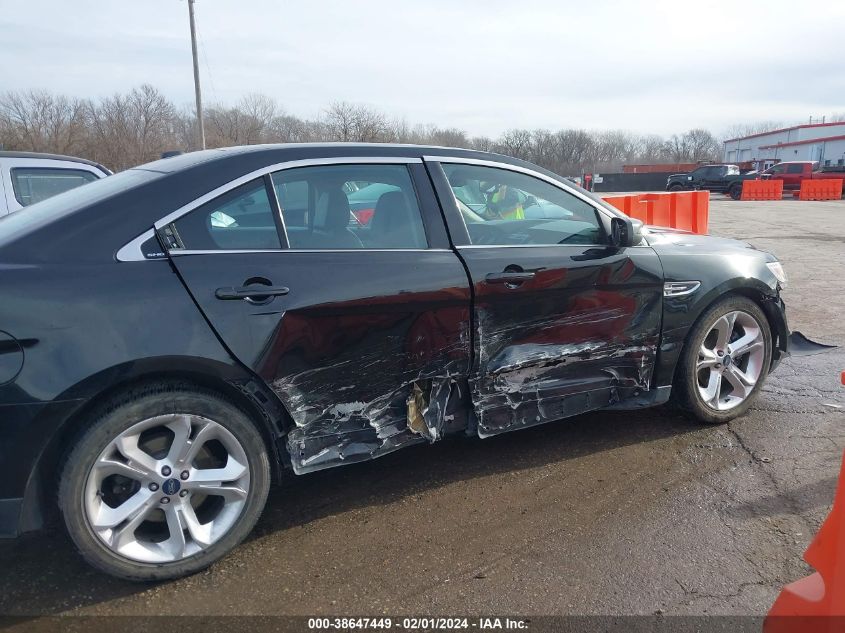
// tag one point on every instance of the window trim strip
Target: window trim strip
(292, 164)
(524, 170)
(131, 251)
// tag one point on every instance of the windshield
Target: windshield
(42, 213)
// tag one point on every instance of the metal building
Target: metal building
(822, 142)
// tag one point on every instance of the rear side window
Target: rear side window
(34, 184)
(795, 169)
(350, 207)
(240, 219)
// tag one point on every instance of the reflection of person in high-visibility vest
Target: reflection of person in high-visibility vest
(504, 203)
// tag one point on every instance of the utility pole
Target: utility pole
(200, 123)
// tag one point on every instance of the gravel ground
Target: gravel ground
(609, 513)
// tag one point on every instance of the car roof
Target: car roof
(45, 156)
(294, 151)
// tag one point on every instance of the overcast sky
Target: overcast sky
(484, 66)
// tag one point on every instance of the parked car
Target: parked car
(718, 178)
(159, 407)
(793, 172)
(30, 177)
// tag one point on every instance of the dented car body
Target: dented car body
(433, 319)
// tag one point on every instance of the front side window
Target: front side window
(240, 219)
(350, 207)
(778, 169)
(34, 184)
(503, 207)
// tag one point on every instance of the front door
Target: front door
(564, 323)
(361, 329)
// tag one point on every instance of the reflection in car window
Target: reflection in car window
(350, 207)
(34, 184)
(241, 219)
(502, 207)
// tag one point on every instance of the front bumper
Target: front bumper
(800, 345)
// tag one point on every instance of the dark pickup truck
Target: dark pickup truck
(721, 178)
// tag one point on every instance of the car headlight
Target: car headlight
(777, 271)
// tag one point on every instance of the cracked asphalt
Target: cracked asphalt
(609, 513)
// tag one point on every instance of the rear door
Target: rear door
(361, 330)
(564, 323)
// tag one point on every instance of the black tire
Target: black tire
(735, 192)
(685, 389)
(123, 412)
(675, 187)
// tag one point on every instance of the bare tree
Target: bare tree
(130, 129)
(41, 122)
(127, 129)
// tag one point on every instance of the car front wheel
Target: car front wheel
(725, 361)
(165, 481)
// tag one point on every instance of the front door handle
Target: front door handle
(254, 293)
(508, 277)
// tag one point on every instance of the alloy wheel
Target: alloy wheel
(167, 488)
(730, 360)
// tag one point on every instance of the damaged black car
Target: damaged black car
(174, 337)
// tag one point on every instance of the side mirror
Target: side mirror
(625, 232)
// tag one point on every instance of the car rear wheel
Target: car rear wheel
(165, 481)
(735, 192)
(725, 361)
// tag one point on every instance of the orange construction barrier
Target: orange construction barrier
(686, 210)
(822, 189)
(762, 190)
(816, 604)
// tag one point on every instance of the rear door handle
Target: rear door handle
(230, 293)
(508, 277)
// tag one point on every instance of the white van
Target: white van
(29, 177)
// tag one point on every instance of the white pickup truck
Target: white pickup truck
(29, 177)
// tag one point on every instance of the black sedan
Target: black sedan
(174, 337)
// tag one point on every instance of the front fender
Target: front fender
(681, 313)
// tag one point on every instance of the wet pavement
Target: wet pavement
(609, 513)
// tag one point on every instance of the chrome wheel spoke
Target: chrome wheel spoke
(201, 533)
(714, 388)
(108, 517)
(127, 445)
(742, 384)
(126, 533)
(751, 340)
(176, 525)
(106, 466)
(706, 358)
(724, 328)
(230, 493)
(204, 434)
(181, 427)
(232, 471)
